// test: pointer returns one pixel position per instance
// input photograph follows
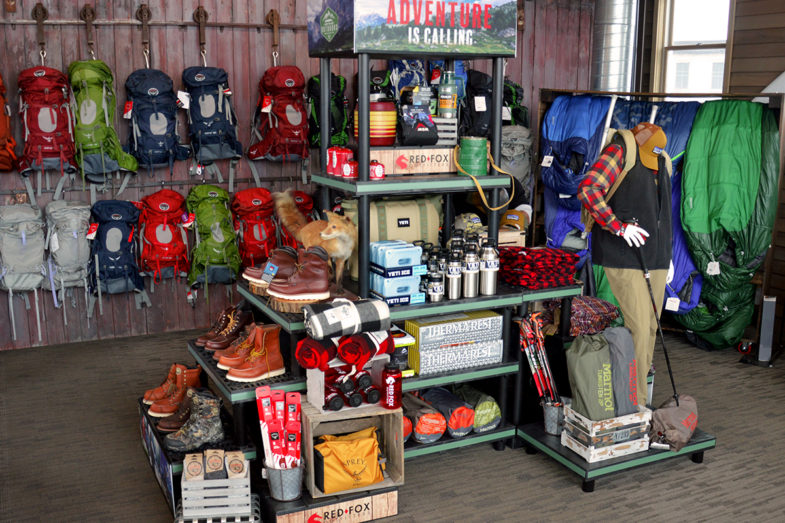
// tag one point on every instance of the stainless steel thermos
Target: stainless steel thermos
(471, 271)
(454, 266)
(435, 287)
(489, 268)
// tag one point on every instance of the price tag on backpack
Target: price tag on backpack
(267, 104)
(183, 100)
(713, 268)
(672, 304)
(547, 160)
(188, 219)
(127, 109)
(479, 104)
(227, 92)
(506, 113)
(54, 243)
(270, 270)
(436, 76)
(92, 231)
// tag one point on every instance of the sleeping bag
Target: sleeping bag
(458, 413)
(487, 414)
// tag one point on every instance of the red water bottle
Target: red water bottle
(391, 381)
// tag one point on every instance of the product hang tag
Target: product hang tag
(267, 104)
(270, 270)
(506, 113)
(672, 304)
(547, 160)
(54, 243)
(92, 231)
(227, 92)
(188, 219)
(128, 109)
(479, 104)
(713, 268)
(436, 76)
(183, 100)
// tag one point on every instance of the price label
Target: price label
(267, 104)
(270, 270)
(506, 113)
(672, 304)
(183, 100)
(128, 109)
(547, 160)
(92, 231)
(479, 104)
(713, 268)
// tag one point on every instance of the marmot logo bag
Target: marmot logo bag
(7, 142)
(339, 110)
(154, 140)
(48, 126)
(283, 124)
(253, 221)
(162, 237)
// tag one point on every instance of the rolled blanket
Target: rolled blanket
(344, 318)
(458, 413)
(359, 349)
(487, 414)
(428, 423)
(315, 354)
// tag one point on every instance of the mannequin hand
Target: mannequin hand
(633, 235)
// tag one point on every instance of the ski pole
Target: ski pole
(546, 363)
(525, 350)
(538, 342)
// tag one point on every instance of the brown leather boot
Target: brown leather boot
(178, 419)
(230, 361)
(166, 388)
(170, 404)
(264, 361)
(220, 324)
(239, 319)
(285, 258)
(310, 282)
(248, 332)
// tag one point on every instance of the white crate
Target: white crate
(314, 382)
(594, 454)
(217, 497)
(254, 517)
(447, 129)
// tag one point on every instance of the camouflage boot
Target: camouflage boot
(203, 427)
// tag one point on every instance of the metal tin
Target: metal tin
(376, 170)
(350, 169)
(435, 286)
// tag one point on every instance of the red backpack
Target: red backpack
(45, 111)
(283, 129)
(252, 210)
(7, 142)
(164, 243)
(304, 203)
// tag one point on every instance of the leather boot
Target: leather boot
(220, 324)
(264, 361)
(170, 404)
(248, 332)
(230, 361)
(203, 426)
(285, 258)
(178, 419)
(311, 280)
(192, 379)
(239, 319)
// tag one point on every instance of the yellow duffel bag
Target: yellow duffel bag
(346, 464)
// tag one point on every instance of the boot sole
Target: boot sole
(160, 414)
(257, 281)
(224, 367)
(265, 376)
(300, 297)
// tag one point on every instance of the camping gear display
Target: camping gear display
(113, 268)
(476, 107)
(215, 259)
(162, 237)
(589, 369)
(536, 268)
(98, 151)
(154, 140)
(428, 423)
(212, 122)
(348, 462)
(533, 346)
(280, 123)
(458, 413)
(67, 224)
(252, 210)
(487, 414)
(345, 318)
(339, 110)
(47, 124)
(7, 142)
(383, 119)
(21, 256)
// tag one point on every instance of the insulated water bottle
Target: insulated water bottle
(471, 272)
(489, 268)
(391, 381)
(454, 266)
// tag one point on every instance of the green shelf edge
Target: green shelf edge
(291, 327)
(420, 383)
(418, 311)
(458, 443)
(392, 185)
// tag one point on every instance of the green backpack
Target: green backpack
(98, 151)
(215, 259)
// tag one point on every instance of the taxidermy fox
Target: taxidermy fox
(337, 235)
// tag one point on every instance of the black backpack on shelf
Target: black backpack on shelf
(513, 100)
(476, 106)
(339, 110)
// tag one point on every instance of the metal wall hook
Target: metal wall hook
(40, 14)
(87, 14)
(144, 15)
(200, 17)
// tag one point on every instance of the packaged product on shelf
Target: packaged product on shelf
(450, 357)
(279, 422)
(214, 464)
(458, 413)
(347, 462)
(344, 318)
(428, 423)
(315, 354)
(487, 414)
(463, 327)
(193, 467)
(236, 464)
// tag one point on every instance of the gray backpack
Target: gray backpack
(21, 256)
(67, 223)
(517, 156)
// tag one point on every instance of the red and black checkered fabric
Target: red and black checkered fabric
(536, 268)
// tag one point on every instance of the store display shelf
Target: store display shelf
(411, 184)
(235, 391)
(534, 435)
(553, 293)
(505, 296)
(288, 321)
(413, 449)
(471, 374)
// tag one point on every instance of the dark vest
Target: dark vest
(640, 199)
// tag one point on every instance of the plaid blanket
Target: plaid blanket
(344, 318)
(588, 315)
(536, 268)
(315, 354)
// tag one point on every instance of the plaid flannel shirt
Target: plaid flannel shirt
(596, 185)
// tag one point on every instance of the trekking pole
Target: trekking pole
(544, 357)
(524, 338)
(659, 326)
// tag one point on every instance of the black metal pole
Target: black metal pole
(324, 131)
(503, 382)
(496, 140)
(363, 159)
(449, 217)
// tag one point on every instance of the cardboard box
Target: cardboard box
(390, 430)
(415, 160)
(407, 299)
(462, 327)
(508, 237)
(435, 359)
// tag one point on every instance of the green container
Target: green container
(473, 155)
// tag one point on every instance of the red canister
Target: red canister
(376, 170)
(332, 160)
(350, 169)
(391, 381)
(343, 155)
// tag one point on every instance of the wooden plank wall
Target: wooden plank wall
(757, 58)
(553, 52)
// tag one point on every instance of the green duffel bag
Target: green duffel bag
(590, 373)
(399, 219)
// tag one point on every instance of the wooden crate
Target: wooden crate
(390, 430)
(605, 439)
(594, 454)
(216, 497)
(365, 508)
(448, 131)
(314, 382)
(414, 160)
(508, 237)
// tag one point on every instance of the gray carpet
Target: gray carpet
(70, 448)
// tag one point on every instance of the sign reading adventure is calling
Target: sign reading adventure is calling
(457, 27)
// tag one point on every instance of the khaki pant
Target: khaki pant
(630, 289)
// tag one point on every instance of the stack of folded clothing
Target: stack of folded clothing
(588, 315)
(536, 268)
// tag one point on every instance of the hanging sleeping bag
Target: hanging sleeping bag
(590, 374)
(458, 413)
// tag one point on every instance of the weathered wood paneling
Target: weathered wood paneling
(553, 52)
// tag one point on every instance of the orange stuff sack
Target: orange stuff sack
(407, 428)
(345, 465)
(428, 424)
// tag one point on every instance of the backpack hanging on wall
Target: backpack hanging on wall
(476, 107)
(154, 140)
(98, 151)
(113, 268)
(7, 142)
(67, 223)
(48, 126)
(253, 210)
(21, 256)
(215, 259)
(163, 242)
(405, 73)
(339, 110)
(280, 121)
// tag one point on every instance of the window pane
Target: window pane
(694, 71)
(700, 21)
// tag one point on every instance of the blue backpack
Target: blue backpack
(153, 139)
(212, 122)
(405, 73)
(113, 268)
